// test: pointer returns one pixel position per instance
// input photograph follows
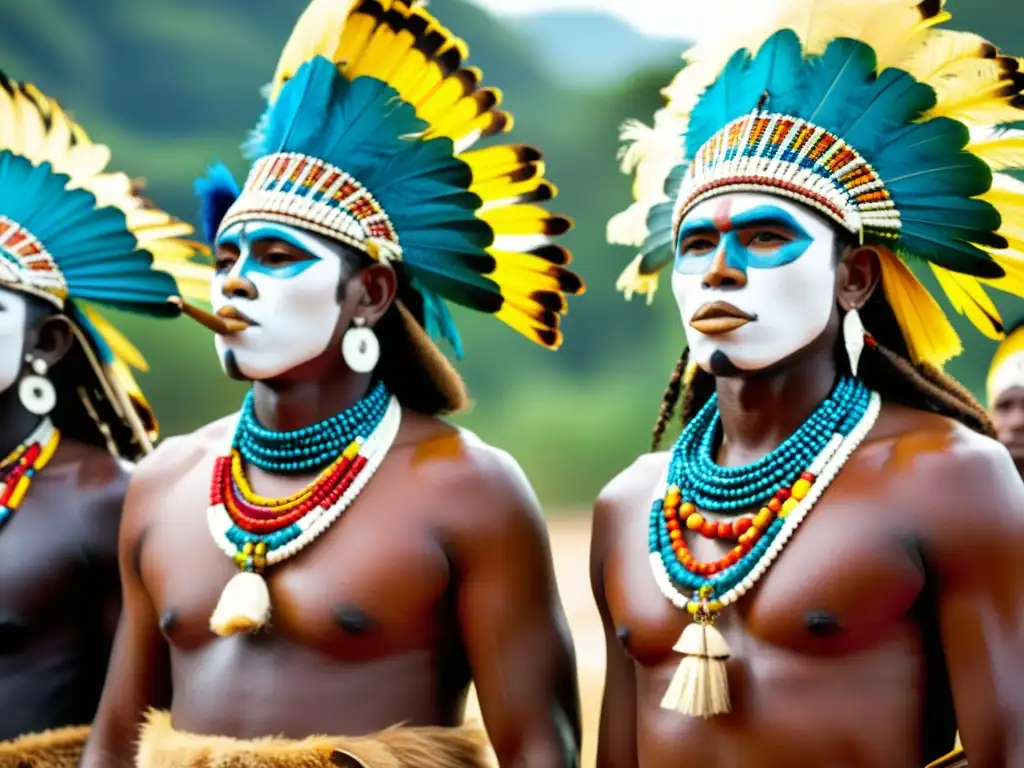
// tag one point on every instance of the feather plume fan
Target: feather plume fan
(380, 89)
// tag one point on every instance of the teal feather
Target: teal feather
(437, 319)
(217, 192)
(79, 318)
(743, 84)
(365, 128)
(92, 246)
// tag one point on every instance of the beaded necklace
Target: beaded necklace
(24, 463)
(257, 532)
(311, 448)
(784, 486)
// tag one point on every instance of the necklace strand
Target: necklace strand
(734, 583)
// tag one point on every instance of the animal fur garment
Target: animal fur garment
(161, 746)
(59, 748)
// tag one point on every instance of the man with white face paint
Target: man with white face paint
(72, 236)
(1004, 388)
(825, 569)
(353, 562)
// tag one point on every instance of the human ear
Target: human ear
(857, 276)
(51, 341)
(377, 285)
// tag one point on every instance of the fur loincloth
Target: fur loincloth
(59, 748)
(161, 746)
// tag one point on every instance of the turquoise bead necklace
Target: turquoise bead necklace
(311, 448)
(708, 486)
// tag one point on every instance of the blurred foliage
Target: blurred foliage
(171, 85)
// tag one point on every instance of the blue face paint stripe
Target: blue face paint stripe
(243, 237)
(739, 256)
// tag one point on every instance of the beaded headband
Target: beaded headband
(304, 191)
(26, 264)
(796, 159)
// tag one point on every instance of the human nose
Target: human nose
(238, 287)
(721, 273)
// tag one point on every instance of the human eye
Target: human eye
(225, 258)
(696, 245)
(767, 239)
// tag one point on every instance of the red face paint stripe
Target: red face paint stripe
(723, 216)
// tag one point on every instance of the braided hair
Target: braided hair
(885, 367)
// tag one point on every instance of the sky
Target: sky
(684, 19)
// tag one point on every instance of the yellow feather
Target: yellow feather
(499, 161)
(631, 282)
(315, 33)
(521, 220)
(119, 345)
(968, 298)
(1002, 150)
(506, 186)
(940, 49)
(929, 335)
(523, 282)
(976, 92)
(1012, 263)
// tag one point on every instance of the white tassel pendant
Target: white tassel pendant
(700, 686)
(244, 605)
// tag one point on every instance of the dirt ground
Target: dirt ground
(570, 542)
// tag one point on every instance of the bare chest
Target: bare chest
(40, 556)
(370, 586)
(848, 576)
(829, 636)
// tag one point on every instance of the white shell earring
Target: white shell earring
(853, 338)
(360, 347)
(36, 392)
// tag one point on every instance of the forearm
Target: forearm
(110, 744)
(552, 746)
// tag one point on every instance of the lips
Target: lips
(719, 317)
(229, 312)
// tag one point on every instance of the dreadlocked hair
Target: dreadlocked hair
(885, 367)
(669, 399)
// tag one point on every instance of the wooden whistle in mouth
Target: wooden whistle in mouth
(223, 326)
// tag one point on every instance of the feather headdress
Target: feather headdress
(872, 115)
(77, 235)
(367, 140)
(1007, 367)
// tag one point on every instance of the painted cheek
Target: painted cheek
(12, 338)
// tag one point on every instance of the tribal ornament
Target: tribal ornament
(785, 485)
(257, 532)
(869, 113)
(24, 463)
(368, 139)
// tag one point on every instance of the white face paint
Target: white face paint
(295, 309)
(13, 313)
(768, 258)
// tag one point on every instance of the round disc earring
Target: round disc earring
(360, 347)
(36, 392)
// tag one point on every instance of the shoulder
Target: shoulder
(961, 490)
(632, 486)
(172, 460)
(175, 456)
(949, 465)
(485, 493)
